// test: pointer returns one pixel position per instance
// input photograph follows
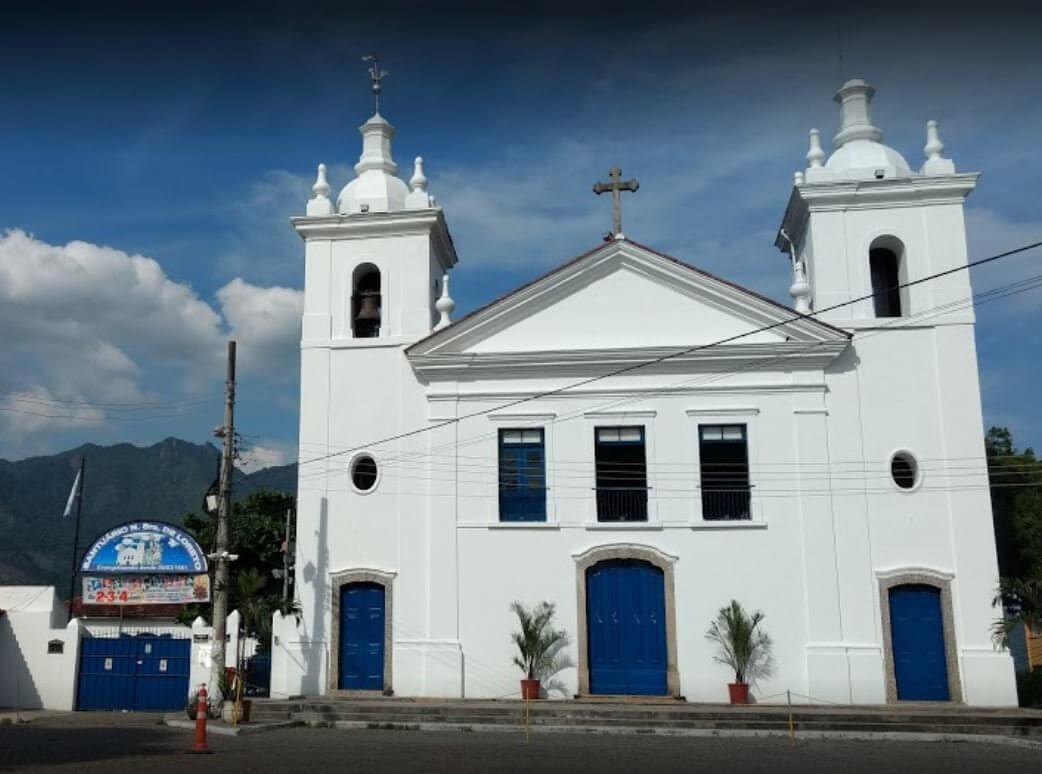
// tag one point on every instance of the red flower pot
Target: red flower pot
(739, 693)
(529, 689)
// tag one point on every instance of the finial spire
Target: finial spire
(321, 186)
(319, 204)
(444, 305)
(418, 198)
(418, 181)
(616, 187)
(376, 75)
(935, 164)
(815, 155)
(855, 113)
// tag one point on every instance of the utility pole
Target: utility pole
(224, 507)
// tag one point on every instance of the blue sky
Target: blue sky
(188, 139)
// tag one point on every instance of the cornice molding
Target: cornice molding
(457, 396)
(380, 224)
(834, 195)
(797, 356)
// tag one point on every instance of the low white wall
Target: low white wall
(202, 650)
(30, 677)
(298, 666)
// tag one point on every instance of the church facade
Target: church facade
(823, 463)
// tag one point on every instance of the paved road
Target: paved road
(121, 743)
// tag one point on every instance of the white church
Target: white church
(823, 462)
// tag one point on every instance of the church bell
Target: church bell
(368, 307)
(367, 320)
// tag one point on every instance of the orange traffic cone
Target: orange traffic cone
(201, 712)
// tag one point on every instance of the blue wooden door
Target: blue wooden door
(133, 673)
(626, 628)
(108, 669)
(917, 633)
(362, 637)
(163, 664)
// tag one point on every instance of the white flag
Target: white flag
(72, 496)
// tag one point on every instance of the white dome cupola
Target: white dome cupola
(859, 149)
(377, 187)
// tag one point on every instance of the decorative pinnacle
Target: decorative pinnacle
(376, 75)
(444, 305)
(321, 186)
(815, 155)
(934, 146)
(418, 181)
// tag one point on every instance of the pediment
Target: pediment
(623, 297)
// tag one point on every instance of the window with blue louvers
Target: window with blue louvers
(522, 475)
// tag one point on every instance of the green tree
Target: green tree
(1016, 497)
(1011, 472)
(256, 531)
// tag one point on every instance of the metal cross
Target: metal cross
(376, 75)
(616, 186)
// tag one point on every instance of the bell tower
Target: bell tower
(376, 263)
(902, 403)
(376, 259)
(862, 222)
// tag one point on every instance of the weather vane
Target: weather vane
(377, 75)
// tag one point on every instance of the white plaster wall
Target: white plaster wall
(201, 633)
(837, 245)
(826, 518)
(30, 677)
(578, 320)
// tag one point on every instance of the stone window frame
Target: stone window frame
(337, 581)
(663, 561)
(921, 576)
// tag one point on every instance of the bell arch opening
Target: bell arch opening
(887, 271)
(366, 306)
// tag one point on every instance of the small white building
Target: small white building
(39, 649)
(639, 442)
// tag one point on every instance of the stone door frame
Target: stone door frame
(663, 561)
(920, 576)
(337, 581)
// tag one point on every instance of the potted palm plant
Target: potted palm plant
(741, 645)
(538, 644)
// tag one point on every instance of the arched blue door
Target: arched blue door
(361, 637)
(917, 634)
(626, 628)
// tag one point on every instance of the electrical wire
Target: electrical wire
(983, 297)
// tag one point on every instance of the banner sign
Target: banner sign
(142, 547)
(145, 589)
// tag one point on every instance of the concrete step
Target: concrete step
(652, 718)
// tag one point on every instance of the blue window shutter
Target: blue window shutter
(522, 480)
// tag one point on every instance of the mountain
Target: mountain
(122, 483)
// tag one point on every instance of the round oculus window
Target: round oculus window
(904, 470)
(364, 473)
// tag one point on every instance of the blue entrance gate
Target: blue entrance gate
(361, 637)
(917, 634)
(626, 628)
(145, 673)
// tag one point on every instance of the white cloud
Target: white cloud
(265, 322)
(260, 456)
(92, 333)
(34, 410)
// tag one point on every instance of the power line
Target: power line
(27, 397)
(997, 293)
